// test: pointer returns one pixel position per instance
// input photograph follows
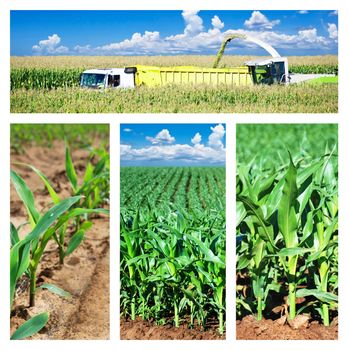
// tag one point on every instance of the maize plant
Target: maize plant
(287, 235)
(173, 245)
(93, 191)
(26, 253)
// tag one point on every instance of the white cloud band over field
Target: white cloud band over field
(163, 148)
(196, 39)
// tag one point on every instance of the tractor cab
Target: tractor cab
(269, 71)
(108, 78)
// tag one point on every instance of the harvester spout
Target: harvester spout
(273, 52)
(223, 46)
(245, 37)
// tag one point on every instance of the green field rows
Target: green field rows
(173, 245)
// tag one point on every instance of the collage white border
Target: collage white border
(115, 120)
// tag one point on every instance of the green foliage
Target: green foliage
(81, 135)
(44, 78)
(304, 98)
(287, 227)
(30, 327)
(50, 85)
(173, 244)
(66, 215)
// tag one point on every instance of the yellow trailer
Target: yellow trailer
(189, 75)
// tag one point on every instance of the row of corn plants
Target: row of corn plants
(52, 78)
(46, 135)
(44, 78)
(65, 222)
(172, 249)
(287, 236)
(296, 98)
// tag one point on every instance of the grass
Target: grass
(324, 80)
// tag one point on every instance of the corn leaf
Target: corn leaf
(30, 327)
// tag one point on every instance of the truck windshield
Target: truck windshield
(92, 80)
(278, 71)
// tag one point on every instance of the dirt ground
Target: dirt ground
(85, 273)
(250, 329)
(146, 330)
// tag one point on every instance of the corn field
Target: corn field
(64, 72)
(308, 98)
(51, 85)
(173, 245)
(287, 222)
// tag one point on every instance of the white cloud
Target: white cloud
(127, 130)
(162, 137)
(217, 23)
(194, 23)
(333, 13)
(333, 32)
(216, 137)
(195, 39)
(212, 153)
(50, 46)
(303, 12)
(182, 152)
(196, 139)
(143, 42)
(259, 21)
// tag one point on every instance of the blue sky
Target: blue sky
(170, 32)
(172, 144)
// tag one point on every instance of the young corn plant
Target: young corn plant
(60, 236)
(286, 227)
(25, 256)
(94, 186)
(44, 228)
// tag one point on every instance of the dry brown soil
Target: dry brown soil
(250, 329)
(146, 330)
(85, 273)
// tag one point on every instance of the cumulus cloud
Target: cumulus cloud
(50, 46)
(303, 12)
(162, 137)
(216, 136)
(127, 130)
(333, 32)
(196, 39)
(194, 23)
(212, 153)
(259, 21)
(217, 23)
(196, 139)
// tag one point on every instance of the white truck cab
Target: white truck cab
(108, 78)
